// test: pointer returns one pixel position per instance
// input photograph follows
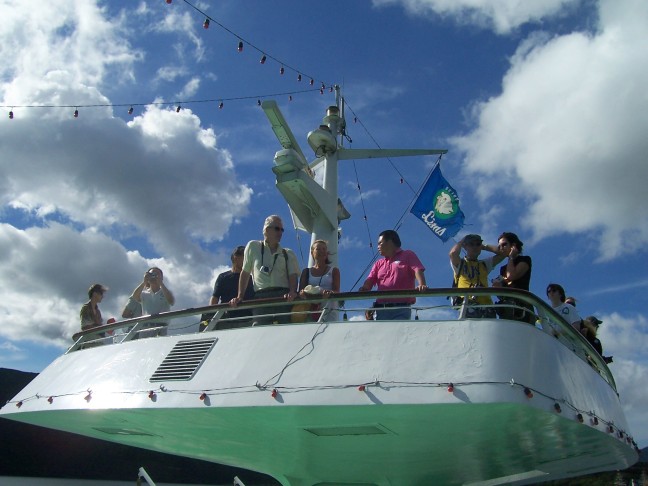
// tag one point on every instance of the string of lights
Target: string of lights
(177, 103)
(241, 43)
(365, 387)
(265, 55)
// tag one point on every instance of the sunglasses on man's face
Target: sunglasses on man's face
(549, 291)
(277, 228)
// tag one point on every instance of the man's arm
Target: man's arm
(419, 273)
(292, 289)
(168, 295)
(137, 293)
(455, 253)
(499, 255)
(244, 278)
(216, 294)
(367, 285)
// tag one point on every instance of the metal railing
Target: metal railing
(432, 305)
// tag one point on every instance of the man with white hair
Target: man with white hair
(274, 271)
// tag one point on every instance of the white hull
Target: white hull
(405, 427)
(358, 402)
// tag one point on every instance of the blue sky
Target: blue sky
(541, 104)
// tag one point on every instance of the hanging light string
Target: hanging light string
(322, 86)
(595, 420)
(177, 103)
(264, 54)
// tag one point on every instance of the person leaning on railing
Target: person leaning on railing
(225, 289)
(398, 270)
(155, 298)
(274, 271)
(516, 274)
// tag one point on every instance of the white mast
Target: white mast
(316, 208)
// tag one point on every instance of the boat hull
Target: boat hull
(411, 402)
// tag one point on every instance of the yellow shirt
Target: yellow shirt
(474, 273)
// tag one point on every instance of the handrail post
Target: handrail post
(214, 320)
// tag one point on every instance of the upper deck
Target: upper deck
(433, 305)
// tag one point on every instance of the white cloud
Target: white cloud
(68, 44)
(502, 16)
(170, 73)
(189, 89)
(184, 24)
(76, 192)
(567, 133)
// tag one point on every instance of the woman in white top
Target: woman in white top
(322, 275)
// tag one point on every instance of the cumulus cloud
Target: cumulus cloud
(568, 131)
(77, 195)
(502, 16)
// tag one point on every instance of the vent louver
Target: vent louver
(184, 360)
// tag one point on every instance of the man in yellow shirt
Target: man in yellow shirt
(470, 271)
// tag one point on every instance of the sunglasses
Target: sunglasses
(277, 228)
(551, 290)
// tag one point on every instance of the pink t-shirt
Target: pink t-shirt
(397, 273)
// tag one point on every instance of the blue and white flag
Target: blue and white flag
(438, 206)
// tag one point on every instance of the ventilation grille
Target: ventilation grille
(184, 360)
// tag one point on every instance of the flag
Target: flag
(438, 206)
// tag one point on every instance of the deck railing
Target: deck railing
(432, 305)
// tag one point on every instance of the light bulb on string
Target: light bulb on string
(11, 114)
(130, 110)
(299, 77)
(321, 90)
(450, 388)
(290, 98)
(220, 105)
(50, 400)
(282, 70)
(240, 46)
(206, 24)
(263, 59)
(178, 109)
(76, 113)
(311, 82)
(258, 102)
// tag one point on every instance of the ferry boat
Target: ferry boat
(440, 399)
